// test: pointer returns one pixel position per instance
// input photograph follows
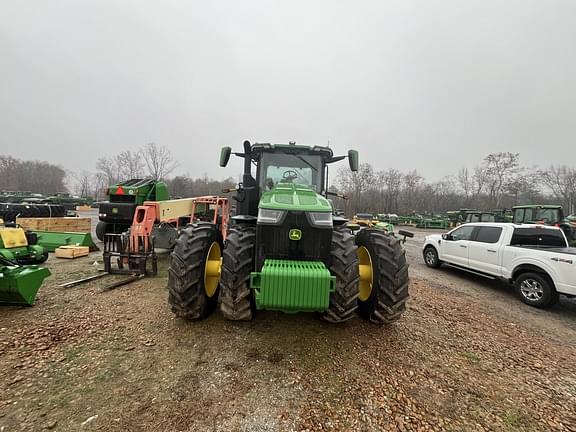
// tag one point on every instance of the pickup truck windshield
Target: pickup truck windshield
(538, 237)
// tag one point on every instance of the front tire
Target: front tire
(101, 229)
(431, 257)
(383, 286)
(236, 301)
(194, 272)
(344, 266)
(536, 290)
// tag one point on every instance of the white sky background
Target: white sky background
(426, 85)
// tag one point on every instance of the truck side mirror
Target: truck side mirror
(353, 160)
(225, 156)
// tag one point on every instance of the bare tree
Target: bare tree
(412, 182)
(130, 164)
(561, 180)
(390, 182)
(123, 166)
(356, 183)
(501, 169)
(159, 161)
(465, 182)
(82, 185)
(108, 169)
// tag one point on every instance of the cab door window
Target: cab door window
(463, 233)
(488, 234)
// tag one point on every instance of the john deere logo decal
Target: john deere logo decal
(295, 234)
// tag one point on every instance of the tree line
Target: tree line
(31, 176)
(500, 180)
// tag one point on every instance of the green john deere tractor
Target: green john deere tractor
(286, 250)
(544, 214)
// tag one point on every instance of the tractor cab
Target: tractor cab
(542, 214)
(545, 215)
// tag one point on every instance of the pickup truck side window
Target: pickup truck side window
(463, 233)
(488, 234)
(537, 237)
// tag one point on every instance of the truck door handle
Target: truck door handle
(491, 250)
(464, 246)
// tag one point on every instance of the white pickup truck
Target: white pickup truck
(535, 258)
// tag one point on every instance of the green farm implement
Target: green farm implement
(117, 213)
(19, 284)
(20, 246)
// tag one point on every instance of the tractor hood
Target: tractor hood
(294, 197)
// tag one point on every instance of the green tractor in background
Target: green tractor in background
(546, 215)
(286, 249)
(117, 213)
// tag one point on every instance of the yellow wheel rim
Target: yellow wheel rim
(212, 269)
(366, 273)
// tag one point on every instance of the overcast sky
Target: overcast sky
(426, 85)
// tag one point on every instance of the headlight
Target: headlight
(323, 219)
(268, 216)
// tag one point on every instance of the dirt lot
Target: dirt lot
(467, 356)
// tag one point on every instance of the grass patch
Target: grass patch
(472, 357)
(512, 418)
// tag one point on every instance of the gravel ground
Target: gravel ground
(466, 356)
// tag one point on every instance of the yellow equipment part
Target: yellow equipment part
(13, 237)
(366, 274)
(212, 269)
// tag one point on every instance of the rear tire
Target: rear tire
(237, 302)
(344, 266)
(536, 290)
(387, 299)
(187, 294)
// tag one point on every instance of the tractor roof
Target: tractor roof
(537, 206)
(267, 147)
(135, 182)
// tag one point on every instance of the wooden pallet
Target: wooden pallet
(72, 252)
(61, 224)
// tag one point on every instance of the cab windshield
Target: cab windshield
(278, 168)
(548, 216)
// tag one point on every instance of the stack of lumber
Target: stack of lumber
(72, 252)
(59, 224)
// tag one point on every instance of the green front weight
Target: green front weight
(293, 286)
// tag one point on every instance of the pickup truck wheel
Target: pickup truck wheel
(431, 257)
(536, 290)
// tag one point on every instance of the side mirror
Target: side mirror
(225, 156)
(446, 237)
(353, 160)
